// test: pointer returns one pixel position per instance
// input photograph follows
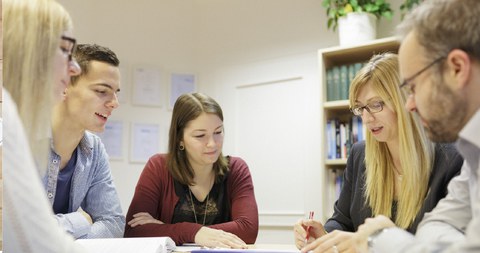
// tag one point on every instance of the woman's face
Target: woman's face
(383, 124)
(203, 140)
(63, 68)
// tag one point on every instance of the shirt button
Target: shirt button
(55, 161)
(50, 195)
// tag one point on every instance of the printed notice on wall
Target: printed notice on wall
(112, 138)
(145, 141)
(146, 87)
(181, 84)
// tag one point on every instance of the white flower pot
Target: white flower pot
(357, 28)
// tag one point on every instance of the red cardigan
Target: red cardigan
(155, 194)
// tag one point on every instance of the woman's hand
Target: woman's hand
(369, 227)
(300, 231)
(143, 218)
(215, 238)
(336, 241)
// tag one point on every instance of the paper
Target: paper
(145, 141)
(146, 87)
(112, 138)
(219, 250)
(181, 84)
(129, 245)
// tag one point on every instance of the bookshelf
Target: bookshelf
(335, 109)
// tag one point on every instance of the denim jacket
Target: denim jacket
(92, 190)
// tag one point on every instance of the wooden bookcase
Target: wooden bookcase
(339, 109)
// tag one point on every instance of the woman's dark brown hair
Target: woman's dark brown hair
(187, 108)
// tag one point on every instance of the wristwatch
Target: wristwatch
(372, 238)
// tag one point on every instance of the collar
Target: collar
(470, 130)
(85, 145)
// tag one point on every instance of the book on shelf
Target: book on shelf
(342, 135)
(335, 184)
(128, 245)
(336, 83)
(344, 82)
(330, 85)
(339, 79)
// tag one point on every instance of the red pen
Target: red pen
(310, 217)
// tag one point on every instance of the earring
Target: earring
(181, 147)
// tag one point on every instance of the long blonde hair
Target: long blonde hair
(32, 30)
(416, 151)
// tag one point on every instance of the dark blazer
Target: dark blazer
(351, 210)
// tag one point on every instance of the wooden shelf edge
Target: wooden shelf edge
(336, 162)
(338, 104)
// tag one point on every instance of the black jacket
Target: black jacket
(351, 210)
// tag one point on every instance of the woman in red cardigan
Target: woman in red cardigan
(194, 193)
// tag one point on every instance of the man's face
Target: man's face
(441, 110)
(91, 100)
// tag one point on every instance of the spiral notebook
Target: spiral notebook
(129, 245)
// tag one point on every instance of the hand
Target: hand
(300, 231)
(215, 238)
(369, 227)
(86, 215)
(341, 240)
(142, 219)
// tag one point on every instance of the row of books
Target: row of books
(342, 135)
(339, 79)
(335, 184)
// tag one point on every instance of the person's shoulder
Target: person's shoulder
(447, 156)
(446, 151)
(235, 161)
(237, 165)
(91, 140)
(358, 149)
(159, 157)
(158, 163)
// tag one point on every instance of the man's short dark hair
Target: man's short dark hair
(85, 53)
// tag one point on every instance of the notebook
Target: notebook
(129, 245)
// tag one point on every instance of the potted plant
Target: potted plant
(356, 19)
(408, 5)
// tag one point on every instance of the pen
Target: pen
(310, 217)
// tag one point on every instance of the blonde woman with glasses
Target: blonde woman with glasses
(396, 172)
(38, 66)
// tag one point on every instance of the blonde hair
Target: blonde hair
(32, 30)
(416, 151)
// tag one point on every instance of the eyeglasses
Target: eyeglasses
(373, 107)
(69, 46)
(407, 83)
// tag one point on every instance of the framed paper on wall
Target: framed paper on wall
(112, 139)
(180, 84)
(146, 87)
(145, 142)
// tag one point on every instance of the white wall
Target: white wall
(257, 58)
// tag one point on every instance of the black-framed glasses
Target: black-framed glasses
(407, 83)
(69, 46)
(372, 107)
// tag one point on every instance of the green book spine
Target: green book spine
(336, 83)
(330, 85)
(343, 82)
(351, 76)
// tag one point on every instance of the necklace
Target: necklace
(193, 207)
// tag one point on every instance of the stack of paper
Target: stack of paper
(129, 245)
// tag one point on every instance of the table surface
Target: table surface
(282, 247)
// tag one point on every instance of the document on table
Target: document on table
(219, 250)
(128, 245)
